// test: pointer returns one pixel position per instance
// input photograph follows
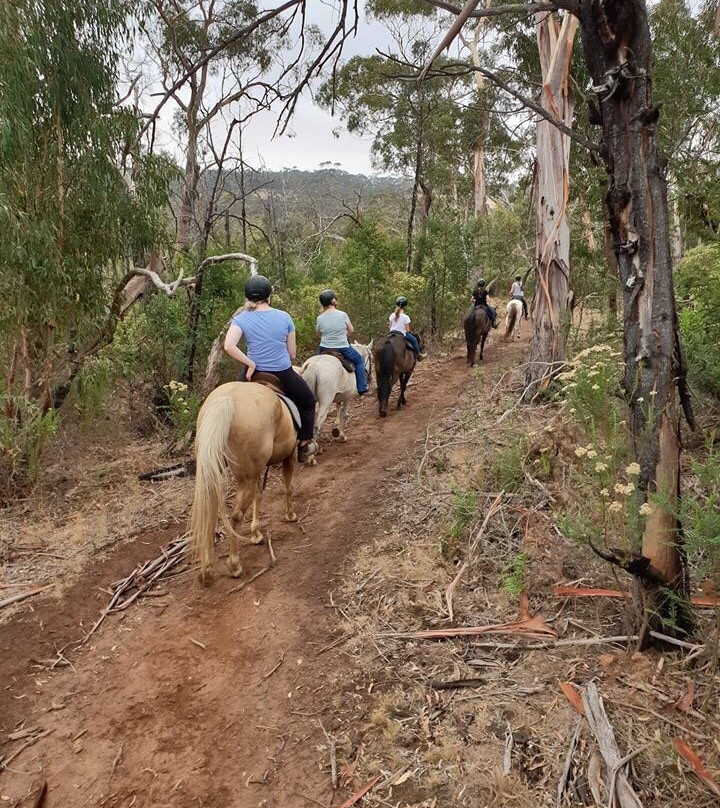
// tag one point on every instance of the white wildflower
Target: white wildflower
(600, 466)
(580, 451)
(615, 507)
(633, 469)
(645, 509)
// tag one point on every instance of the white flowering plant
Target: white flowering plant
(183, 407)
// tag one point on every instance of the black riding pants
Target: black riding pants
(297, 390)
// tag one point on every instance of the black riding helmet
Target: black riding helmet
(258, 288)
(327, 297)
(481, 282)
(401, 301)
(518, 277)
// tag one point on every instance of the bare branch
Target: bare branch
(497, 11)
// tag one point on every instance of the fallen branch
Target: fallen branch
(6, 761)
(601, 728)
(703, 601)
(23, 595)
(456, 684)
(562, 784)
(358, 795)
(532, 626)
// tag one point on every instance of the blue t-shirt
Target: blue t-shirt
(265, 333)
(332, 325)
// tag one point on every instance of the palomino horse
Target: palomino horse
(394, 359)
(332, 384)
(477, 326)
(513, 316)
(245, 426)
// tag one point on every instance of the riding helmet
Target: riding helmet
(518, 277)
(401, 301)
(258, 288)
(327, 297)
(481, 282)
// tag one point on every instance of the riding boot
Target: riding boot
(305, 449)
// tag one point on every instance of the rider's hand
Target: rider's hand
(250, 370)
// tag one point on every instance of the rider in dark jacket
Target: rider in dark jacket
(480, 298)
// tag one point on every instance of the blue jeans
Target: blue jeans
(413, 342)
(353, 356)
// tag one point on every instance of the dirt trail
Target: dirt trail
(146, 716)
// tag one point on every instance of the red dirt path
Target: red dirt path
(166, 723)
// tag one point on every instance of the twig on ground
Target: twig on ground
(276, 667)
(250, 580)
(492, 510)
(6, 761)
(562, 784)
(23, 595)
(198, 643)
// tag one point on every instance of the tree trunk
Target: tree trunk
(479, 146)
(413, 198)
(613, 272)
(186, 220)
(616, 40)
(551, 306)
(425, 205)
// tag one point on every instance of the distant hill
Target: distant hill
(320, 192)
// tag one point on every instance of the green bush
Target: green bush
(698, 291)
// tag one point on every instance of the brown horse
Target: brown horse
(245, 426)
(394, 359)
(477, 326)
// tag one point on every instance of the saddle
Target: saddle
(346, 363)
(271, 381)
(398, 335)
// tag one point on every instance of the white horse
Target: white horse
(332, 384)
(513, 317)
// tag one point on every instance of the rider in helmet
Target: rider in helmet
(270, 339)
(333, 327)
(516, 293)
(480, 298)
(399, 321)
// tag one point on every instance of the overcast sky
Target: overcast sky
(313, 135)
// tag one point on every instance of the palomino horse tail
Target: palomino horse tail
(384, 371)
(210, 479)
(510, 319)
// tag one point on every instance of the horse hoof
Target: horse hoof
(343, 439)
(311, 461)
(335, 432)
(291, 517)
(383, 415)
(257, 539)
(235, 571)
(206, 578)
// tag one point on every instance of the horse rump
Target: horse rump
(384, 366)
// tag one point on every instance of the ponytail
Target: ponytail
(250, 305)
(396, 313)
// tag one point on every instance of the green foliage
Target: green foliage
(464, 510)
(698, 288)
(93, 387)
(507, 472)
(700, 512)
(24, 430)
(514, 575)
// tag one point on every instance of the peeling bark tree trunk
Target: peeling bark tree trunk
(479, 146)
(617, 45)
(186, 220)
(551, 307)
(612, 269)
(413, 198)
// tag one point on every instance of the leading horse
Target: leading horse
(394, 360)
(332, 384)
(245, 426)
(476, 325)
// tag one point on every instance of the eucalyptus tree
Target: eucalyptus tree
(71, 219)
(415, 126)
(617, 47)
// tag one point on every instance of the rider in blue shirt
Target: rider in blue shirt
(333, 326)
(270, 339)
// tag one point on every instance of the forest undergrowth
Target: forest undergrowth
(493, 719)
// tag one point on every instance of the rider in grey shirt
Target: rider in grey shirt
(333, 326)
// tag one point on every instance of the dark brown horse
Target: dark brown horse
(477, 326)
(394, 359)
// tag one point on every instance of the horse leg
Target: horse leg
(243, 500)
(256, 536)
(403, 384)
(320, 418)
(482, 344)
(339, 431)
(288, 468)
